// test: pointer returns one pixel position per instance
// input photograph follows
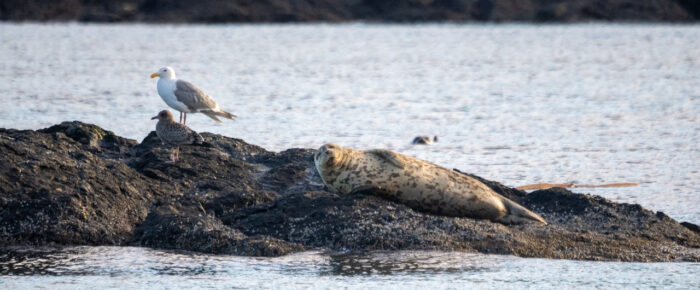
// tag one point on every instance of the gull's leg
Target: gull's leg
(180, 117)
(172, 157)
(185, 119)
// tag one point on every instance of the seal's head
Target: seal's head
(327, 156)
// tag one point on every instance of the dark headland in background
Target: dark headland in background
(219, 11)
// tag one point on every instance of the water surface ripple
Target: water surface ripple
(125, 267)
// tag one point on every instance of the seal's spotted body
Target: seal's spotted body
(417, 183)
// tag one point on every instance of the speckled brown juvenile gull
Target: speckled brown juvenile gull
(174, 134)
(417, 183)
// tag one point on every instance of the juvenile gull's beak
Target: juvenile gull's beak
(155, 75)
(156, 117)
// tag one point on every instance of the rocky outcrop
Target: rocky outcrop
(67, 185)
(77, 184)
(214, 11)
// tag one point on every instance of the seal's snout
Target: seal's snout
(317, 156)
(327, 155)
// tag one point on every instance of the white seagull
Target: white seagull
(186, 98)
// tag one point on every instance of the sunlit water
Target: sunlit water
(519, 104)
(107, 267)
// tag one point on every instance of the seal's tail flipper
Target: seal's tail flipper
(517, 214)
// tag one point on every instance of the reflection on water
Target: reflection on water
(406, 263)
(125, 267)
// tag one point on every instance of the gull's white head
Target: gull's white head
(164, 72)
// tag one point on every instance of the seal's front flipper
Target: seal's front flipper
(388, 156)
(365, 189)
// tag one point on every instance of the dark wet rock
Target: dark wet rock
(214, 11)
(63, 185)
(104, 143)
(581, 227)
(170, 228)
(78, 184)
(693, 227)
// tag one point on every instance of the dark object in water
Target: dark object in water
(424, 140)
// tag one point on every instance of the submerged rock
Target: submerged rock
(78, 184)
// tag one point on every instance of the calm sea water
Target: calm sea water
(114, 267)
(519, 104)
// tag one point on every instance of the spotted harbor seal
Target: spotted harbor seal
(424, 140)
(417, 183)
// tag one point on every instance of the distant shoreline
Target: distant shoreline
(340, 11)
(356, 23)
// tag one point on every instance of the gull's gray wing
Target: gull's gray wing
(192, 97)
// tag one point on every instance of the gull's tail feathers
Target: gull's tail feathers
(213, 114)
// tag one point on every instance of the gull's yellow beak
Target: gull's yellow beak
(153, 75)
